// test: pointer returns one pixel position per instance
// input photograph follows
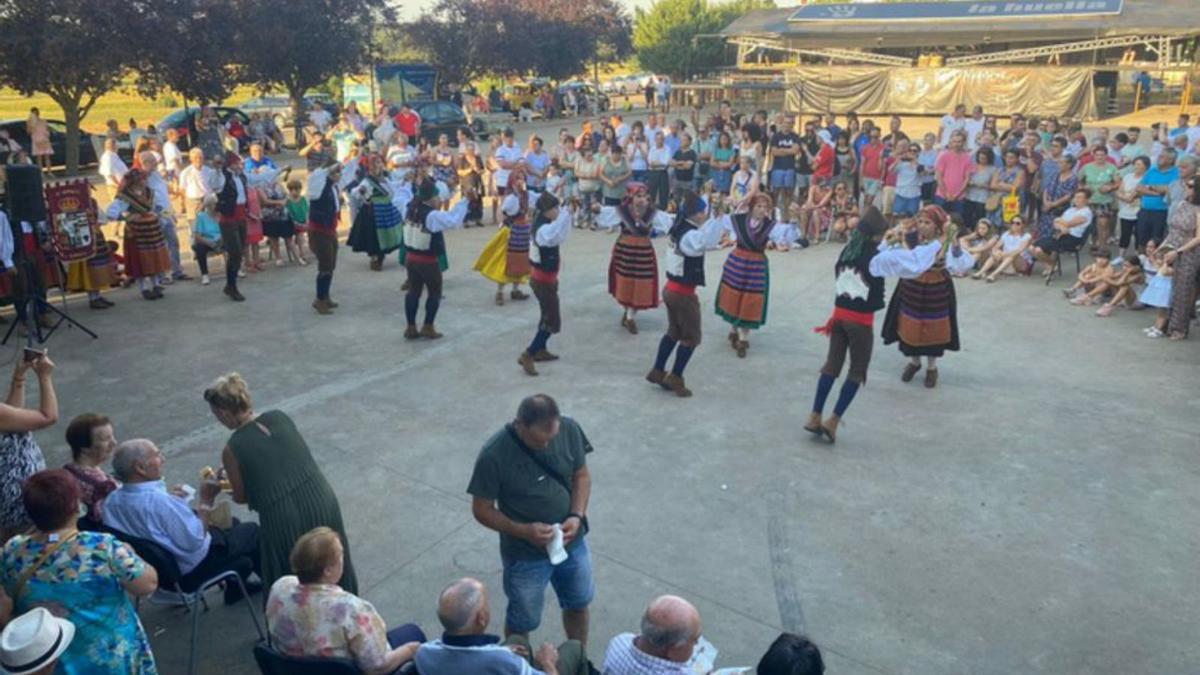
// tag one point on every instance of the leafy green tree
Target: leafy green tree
(74, 51)
(675, 36)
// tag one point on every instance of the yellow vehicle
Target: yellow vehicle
(519, 94)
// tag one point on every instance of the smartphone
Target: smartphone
(32, 354)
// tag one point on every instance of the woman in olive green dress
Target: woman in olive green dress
(270, 468)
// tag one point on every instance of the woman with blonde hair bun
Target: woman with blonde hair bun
(270, 468)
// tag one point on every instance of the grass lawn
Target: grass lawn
(116, 105)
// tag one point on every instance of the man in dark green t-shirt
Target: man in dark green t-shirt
(530, 478)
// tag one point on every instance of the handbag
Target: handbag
(1012, 206)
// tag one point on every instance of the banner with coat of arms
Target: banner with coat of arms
(73, 219)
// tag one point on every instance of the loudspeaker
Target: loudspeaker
(26, 201)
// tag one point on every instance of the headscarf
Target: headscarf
(427, 190)
(130, 178)
(936, 215)
(633, 189)
(871, 225)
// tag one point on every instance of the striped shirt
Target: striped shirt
(624, 658)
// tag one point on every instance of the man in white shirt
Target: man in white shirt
(622, 130)
(198, 182)
(166, 215)
(143, 507)
(508, 156)
(320, 118)
(670, 631)
(112, 167)
(172, 157)
(951, 123)
(973, 127)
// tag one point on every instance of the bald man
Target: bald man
(466, 647)
(670, 630)
(143, 507)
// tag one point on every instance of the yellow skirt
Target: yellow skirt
(493, 261)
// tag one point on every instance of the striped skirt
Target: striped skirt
(145, 248)
(744, 290)
(387, 225)
(922, 315)
(516, 259)
(376, 230)
(633, 272)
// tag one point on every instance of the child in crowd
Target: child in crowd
(1123, 286)
(1158, 293)
(297, 210)
(979, 242)
(555, 184)
(745, 180)
(786, 231)
(206, 238)
(1090, 277)
(926, 162)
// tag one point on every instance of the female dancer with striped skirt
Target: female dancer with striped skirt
(146, 255)
(746, 278)
(633, 269)
(505, 258)
(923, 312)
(376, 229)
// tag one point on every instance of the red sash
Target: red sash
(842, 314)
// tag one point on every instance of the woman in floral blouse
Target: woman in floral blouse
(308, 614)
(80, 576)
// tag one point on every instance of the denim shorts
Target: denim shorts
(782, 179)
(906, 206)
(525, 586)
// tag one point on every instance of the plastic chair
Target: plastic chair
(172, 592)
(271, 662)
(1057, 269)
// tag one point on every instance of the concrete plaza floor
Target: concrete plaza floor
(1035, 513)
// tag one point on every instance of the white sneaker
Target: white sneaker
(204, 280)
(1154, 333)
(241, 274)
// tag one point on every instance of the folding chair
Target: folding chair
(1057, 269)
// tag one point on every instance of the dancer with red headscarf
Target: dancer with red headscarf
(923, 312)
(746, 278)
(633, 269)
(505, 258)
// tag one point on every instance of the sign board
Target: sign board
(960, 9)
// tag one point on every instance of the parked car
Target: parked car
(444, 117)
(178, 120)
(597, 100)
(625, 85)
(89, 144)
(279, 106)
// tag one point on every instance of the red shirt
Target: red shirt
(871, 166)
(823, 167)
(408, 123)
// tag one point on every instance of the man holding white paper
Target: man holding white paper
(531, 483)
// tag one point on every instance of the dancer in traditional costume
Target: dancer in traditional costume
(232, 196)
(551, 224)
(324, 209)
(851, 327)
(146, 255)
(505, 258)
(633, 268)
(746, 278)
(95, 274)
(923, 312)
(424, 241)
(377, 223)
(688, 240)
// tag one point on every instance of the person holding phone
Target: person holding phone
(20, 455)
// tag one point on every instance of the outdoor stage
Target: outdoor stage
(1033, 514)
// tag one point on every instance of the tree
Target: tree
(193, 52)
(551, 38)
(74, 51)
(668, 36)
(299, 45)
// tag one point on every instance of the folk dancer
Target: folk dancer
(424, 242)
(377, 223)
(687, 242)
(859, 294)
(551, 224)
(324, 209)
(146, 255)
(232, 196)
(96, 273)
(633, 268)
(505, 258)
(923, 312)
(745, 286)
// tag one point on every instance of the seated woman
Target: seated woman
(1069, 231)
(80, 576)
(843, 211)
(310, 615)
(1124, 285)
(815, 216)
(1011, 254)
(979, 242)
(91, 440)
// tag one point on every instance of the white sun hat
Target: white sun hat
(34, 640)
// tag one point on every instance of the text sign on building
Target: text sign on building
(935, 11)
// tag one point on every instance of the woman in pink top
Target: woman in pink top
(952, 169)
